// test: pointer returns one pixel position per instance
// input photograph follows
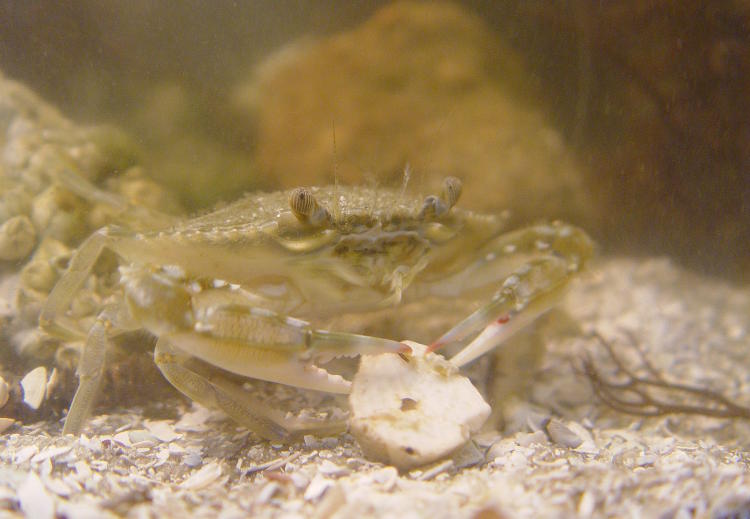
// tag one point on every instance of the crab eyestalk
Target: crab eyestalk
(435, 207)
(307, 209)
(452, 188)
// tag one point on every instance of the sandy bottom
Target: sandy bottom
(594, 462)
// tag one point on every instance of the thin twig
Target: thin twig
(634, 394)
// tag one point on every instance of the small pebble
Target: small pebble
(328, 468)
(34, 499)
(203, 477)
(268, 492)
(317, 487)
(562, 435)
(192, 459)
(17, 238)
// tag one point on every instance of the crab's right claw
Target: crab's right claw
(530, 291)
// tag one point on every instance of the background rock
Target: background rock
(424, 85)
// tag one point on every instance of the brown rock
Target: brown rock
(425, 85)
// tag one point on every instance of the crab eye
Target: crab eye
(433, 207)
(452, 187)
(306, 208)
(301, 202)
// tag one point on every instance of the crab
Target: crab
(234, 292)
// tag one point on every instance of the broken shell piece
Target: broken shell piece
(52, 383)
(4, 392)
(411, 413)
(34, 386)
(562, 435)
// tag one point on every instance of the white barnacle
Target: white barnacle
(273, 290)
(523, 270)
(511, 282)
(202, 326)
(564, 231)
(261, 312)
(297, 323)
(174, 271)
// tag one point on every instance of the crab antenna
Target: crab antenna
(306, 208)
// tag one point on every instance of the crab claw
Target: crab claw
(332, 345)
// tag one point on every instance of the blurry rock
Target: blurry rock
(410, 413)
(562, 435)
(17, 238)
(198, 162)
(59, 182)
(423, 84)
(50, 170)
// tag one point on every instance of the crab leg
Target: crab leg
(527, 293)
(211, 389)
(91, 365)
(52, 318)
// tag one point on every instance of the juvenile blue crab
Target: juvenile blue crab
(218, 291)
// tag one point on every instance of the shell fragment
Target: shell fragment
(412, 413)
(34, 386)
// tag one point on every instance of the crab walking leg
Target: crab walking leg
(91, 367)
(213, 390)
(52, 318)
(525, 295)
(236, 401)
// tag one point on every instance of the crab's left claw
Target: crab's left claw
(327, 345)
(258, 343)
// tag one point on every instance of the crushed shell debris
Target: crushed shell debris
(97, 476)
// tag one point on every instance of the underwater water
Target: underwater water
(627, 120)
